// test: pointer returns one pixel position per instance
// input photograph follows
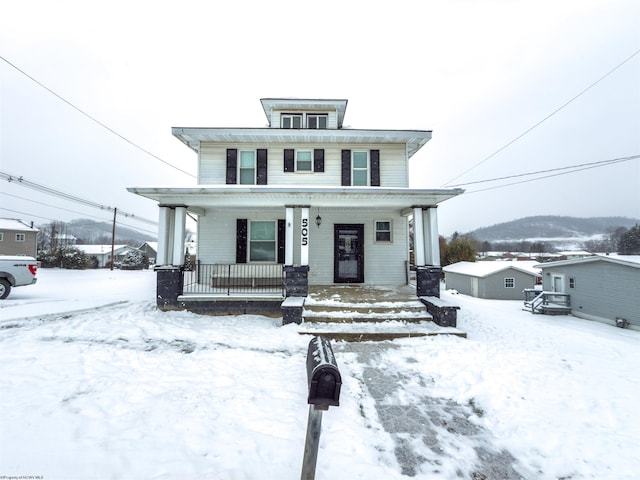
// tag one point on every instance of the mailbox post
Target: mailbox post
(324, 381)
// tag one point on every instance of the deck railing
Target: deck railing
(234, 278)
(540, 301)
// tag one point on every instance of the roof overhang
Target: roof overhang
(199, 198)
(193, 137)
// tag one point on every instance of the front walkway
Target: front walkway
(432, 436)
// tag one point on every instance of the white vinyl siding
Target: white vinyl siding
(393, 164)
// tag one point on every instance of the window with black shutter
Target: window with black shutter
(262, 167)
(318, 160)
(241, 240)
(289, 160)
(232, 166)
(346, 167)
(374, 158)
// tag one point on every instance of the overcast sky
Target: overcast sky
(477, 73)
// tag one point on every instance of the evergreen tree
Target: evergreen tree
(629, 242)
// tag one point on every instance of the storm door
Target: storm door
(348, 253)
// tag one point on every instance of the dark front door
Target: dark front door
(348, 253)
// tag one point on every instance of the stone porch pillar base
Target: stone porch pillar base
(296, 280)
(169, 287)
(428, 281)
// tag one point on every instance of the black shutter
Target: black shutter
(346, 167)
(289, 160)
(232, 166)
(241, 240)
(318, 160)
(281, 241)
(374, 156)
(262, 167)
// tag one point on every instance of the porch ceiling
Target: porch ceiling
(243, 196)
(192, 137)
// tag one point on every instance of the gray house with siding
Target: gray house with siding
(601, 288)
(493, 279)
(17, 238)
(301, 202)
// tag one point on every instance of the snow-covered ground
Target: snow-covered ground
(95, 383)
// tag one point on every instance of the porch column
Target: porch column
(288, 246)
(304, 236)
(163, 235)
(432, 237)
(418, 237)
(178, 235)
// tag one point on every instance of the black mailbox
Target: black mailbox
(322, 374)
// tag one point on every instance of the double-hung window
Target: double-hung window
(304, 161)
(360, 169)
(262, 241)
(383, 231)
(291, 120)
(247, 167)
(317, 121)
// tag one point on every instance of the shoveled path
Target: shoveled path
(432, 436)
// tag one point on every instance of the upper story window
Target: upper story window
(317, 121)
(20, 237)
(291, 120)
(360, 169)
(247, 167)
(1, 236)
(304, 161)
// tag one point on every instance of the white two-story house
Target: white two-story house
(299, 203)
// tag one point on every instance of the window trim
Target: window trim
(291, 116)
(317, 117)
(367, 169)
(572, 282)
(512, 281)
(21, 237)
(376, 231)
(1, 236)
(275, 241)
(255, 167)
(310, 161)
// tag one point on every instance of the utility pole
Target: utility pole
(113, 236)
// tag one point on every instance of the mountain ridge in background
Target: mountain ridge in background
(552, 228)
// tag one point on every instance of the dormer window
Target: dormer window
(317, 121)
(291, 120)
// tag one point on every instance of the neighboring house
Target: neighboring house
(304, 200)
(17, 238)
(102, 253)
(150, 249)
(496, 280)
(602, 288)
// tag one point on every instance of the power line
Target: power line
(19, 180)
(601, 163)
(130, 142)
(544, 119)
(589, 167)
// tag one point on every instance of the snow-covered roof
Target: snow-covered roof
(102, 249)
(629, 260)
(484, 269)
(15, 225)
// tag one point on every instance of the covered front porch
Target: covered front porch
(315, 236)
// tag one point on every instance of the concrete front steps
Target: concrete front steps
(354, 322)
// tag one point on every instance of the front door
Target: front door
(348, 253)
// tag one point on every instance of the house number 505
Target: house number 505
(305, 231)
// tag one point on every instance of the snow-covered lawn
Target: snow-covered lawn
(95, 383)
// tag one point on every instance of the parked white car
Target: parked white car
(16, 271)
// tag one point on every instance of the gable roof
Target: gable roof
(485, 269)
(628, 260)
(14, 224)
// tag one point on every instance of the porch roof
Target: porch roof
(192, 137)
(270, 196)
